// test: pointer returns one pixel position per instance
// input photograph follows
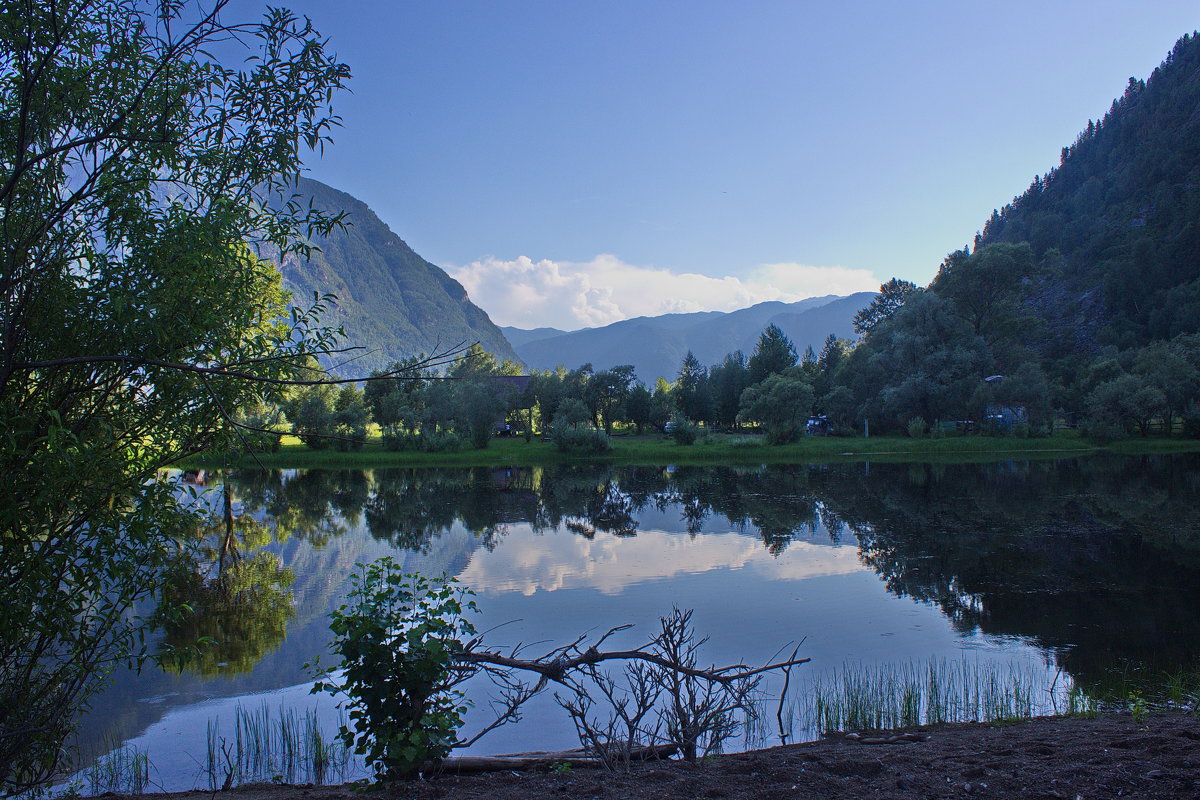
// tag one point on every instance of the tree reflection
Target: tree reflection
(1095, 560)
(227, 605)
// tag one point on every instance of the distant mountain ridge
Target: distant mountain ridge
(655, 346)
(390, 301)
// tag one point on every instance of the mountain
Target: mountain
(1080, 297)
(655, 346)
(522, 336)
(389, 299)
(1116, 226)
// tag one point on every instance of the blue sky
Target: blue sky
(577, 163)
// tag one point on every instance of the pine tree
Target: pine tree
(773, 354)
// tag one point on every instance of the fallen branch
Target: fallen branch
(517, 762)
(666, 698)
(557, 667)
(899, 738)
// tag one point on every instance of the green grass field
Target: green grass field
(717, 449)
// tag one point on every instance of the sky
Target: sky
(578, 163)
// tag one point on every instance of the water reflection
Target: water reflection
(1089, 565)
(1094, 559)
(228, 599)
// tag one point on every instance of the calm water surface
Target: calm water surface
(1083, 568)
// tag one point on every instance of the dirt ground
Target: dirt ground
(1112, 756)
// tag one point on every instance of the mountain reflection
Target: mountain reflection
(1094, 560)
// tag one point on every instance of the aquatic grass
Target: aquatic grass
(287, 747)
(122, 770)
(1177, 688)
(891, 696)
(1080, 704)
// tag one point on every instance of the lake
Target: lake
(1082, 571)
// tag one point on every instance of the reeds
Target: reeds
(889, 696)
(289, 747)
(123, 770)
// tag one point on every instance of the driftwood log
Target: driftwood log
(545, 759)
(898, 738)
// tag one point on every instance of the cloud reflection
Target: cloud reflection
(529, 563)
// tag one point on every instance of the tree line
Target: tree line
(481, 396)
(937, 358)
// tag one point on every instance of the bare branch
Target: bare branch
(224, 371)
(555, 669)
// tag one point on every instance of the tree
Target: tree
(572, 412)
(987, 286)
(1027, 388)
(350, 418)
(781, 405)
(662, 403)
(140, 177)
(639, 408)
(892, 296)
(606, 393)
(477, 408)
(1166, 367)
(773, 354)
(833, 355)
(311, 412)
(325, 415)
(728, 380)
(477, 362)
(923, 362)
(691, 392)
(397, 402)
(1115, 406)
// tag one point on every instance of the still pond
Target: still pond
(1079, 572)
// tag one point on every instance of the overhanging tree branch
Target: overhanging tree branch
(443, 358)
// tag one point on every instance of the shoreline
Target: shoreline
(1113, 754)
(720, 449)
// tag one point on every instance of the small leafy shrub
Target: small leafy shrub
(1191, 421)
(569, 439)
(263, 441)
(1104, 431)
(916, 427)
(745, 442)
(396, 637)
(683, 430)
(1138, 707)
(397, 439)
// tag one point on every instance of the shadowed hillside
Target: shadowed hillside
(390, 300)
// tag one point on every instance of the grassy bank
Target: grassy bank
(718, 449)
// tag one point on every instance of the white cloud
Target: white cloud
(570, 295)
(806, 281)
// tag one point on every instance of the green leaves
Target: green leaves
(396, 637)
(136, 170)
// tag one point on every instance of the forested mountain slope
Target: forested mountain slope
(1080, 297)
(389, 299)
(1122, 210)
